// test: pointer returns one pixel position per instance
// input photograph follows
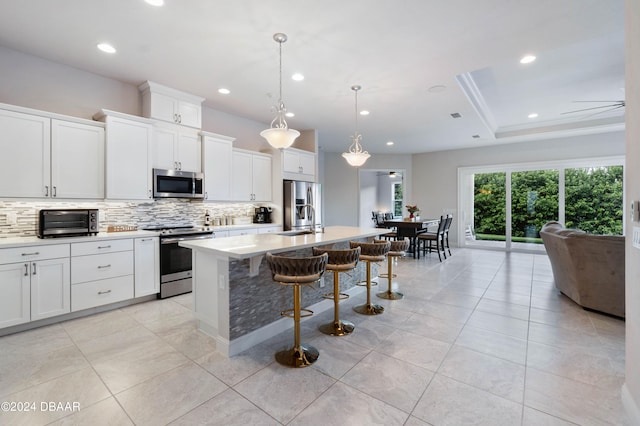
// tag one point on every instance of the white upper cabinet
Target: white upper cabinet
(298, 164)
(176, 148)
(25, 163)
(251, 176)
(216, 165)
(128, 156)
(44, 157)
(170, 105)
(77, 160)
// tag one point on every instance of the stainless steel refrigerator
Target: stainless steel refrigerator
(302, 207)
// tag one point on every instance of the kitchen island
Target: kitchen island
(235, 300)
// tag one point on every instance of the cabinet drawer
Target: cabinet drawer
(102, 292)
(99, 247)
(33, 253)
(98, 267)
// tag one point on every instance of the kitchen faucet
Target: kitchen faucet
(312, 226)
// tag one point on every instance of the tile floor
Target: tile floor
(482, 338)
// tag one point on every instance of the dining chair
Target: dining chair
(426, 239)
(445, 236)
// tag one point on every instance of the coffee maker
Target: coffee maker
(263, 215)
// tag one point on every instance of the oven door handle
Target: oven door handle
(177, 239)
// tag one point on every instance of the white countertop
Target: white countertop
(34, 241)
(246, 246)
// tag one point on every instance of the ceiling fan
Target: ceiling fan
(611, 106)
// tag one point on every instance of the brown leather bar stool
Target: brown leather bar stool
(296, 272)
(397, 250)
(339, 261)
(370, 252)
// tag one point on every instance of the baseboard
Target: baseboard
(630, 406)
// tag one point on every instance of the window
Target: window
(507, 208)
(397, 199)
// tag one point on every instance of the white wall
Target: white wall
(31, 82)
(368, 197)
(435, 174)
(631, 388)
(341, 185)
(37, 83)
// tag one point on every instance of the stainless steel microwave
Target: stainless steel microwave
(67, 222)
(177, 184)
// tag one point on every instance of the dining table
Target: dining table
(410, 229)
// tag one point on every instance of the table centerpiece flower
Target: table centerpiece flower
(412, 211)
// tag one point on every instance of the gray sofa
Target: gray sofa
(587, 268)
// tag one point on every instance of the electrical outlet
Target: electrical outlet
(221, 282)
(636, 237)
(102, 216)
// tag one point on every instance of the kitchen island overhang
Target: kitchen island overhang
(234, 299)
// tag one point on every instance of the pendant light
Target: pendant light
(279, 135)
(356, 156)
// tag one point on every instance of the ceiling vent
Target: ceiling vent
(456, 115)
(475, 136)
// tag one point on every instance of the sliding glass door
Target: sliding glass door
(534, 202)
(505, 209)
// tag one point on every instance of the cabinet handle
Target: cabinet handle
(179, 165)
(26, 269)
(179, 118)
(149, 193)
(175, 118)
(145, 239)
(55, 191)
(104, 292)
(104, 266)
(46, 190)
(34, 269)
(35, 253)
(206, 195)
(103, 247)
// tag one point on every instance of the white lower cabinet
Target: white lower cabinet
(147, 266)
(15, 282)
(269, 229)
(102, 292)
(50, 288)
(42, 281)
(101, 273)
(247, 231)
(34, 282)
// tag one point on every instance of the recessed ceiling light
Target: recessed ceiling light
(364, 112)
(157, 3)
(527, 59)
(533, 115)
(107, 48)
(475, 136)
(224, 91)
(297, 77)
(290, 114)
(389, 143)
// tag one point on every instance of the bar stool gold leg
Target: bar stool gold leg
(389, 294)
(299, 355)
(369, 308)
(337, 327)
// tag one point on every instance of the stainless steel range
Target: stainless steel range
(175, 261)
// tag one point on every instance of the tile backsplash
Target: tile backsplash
(20, 218)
